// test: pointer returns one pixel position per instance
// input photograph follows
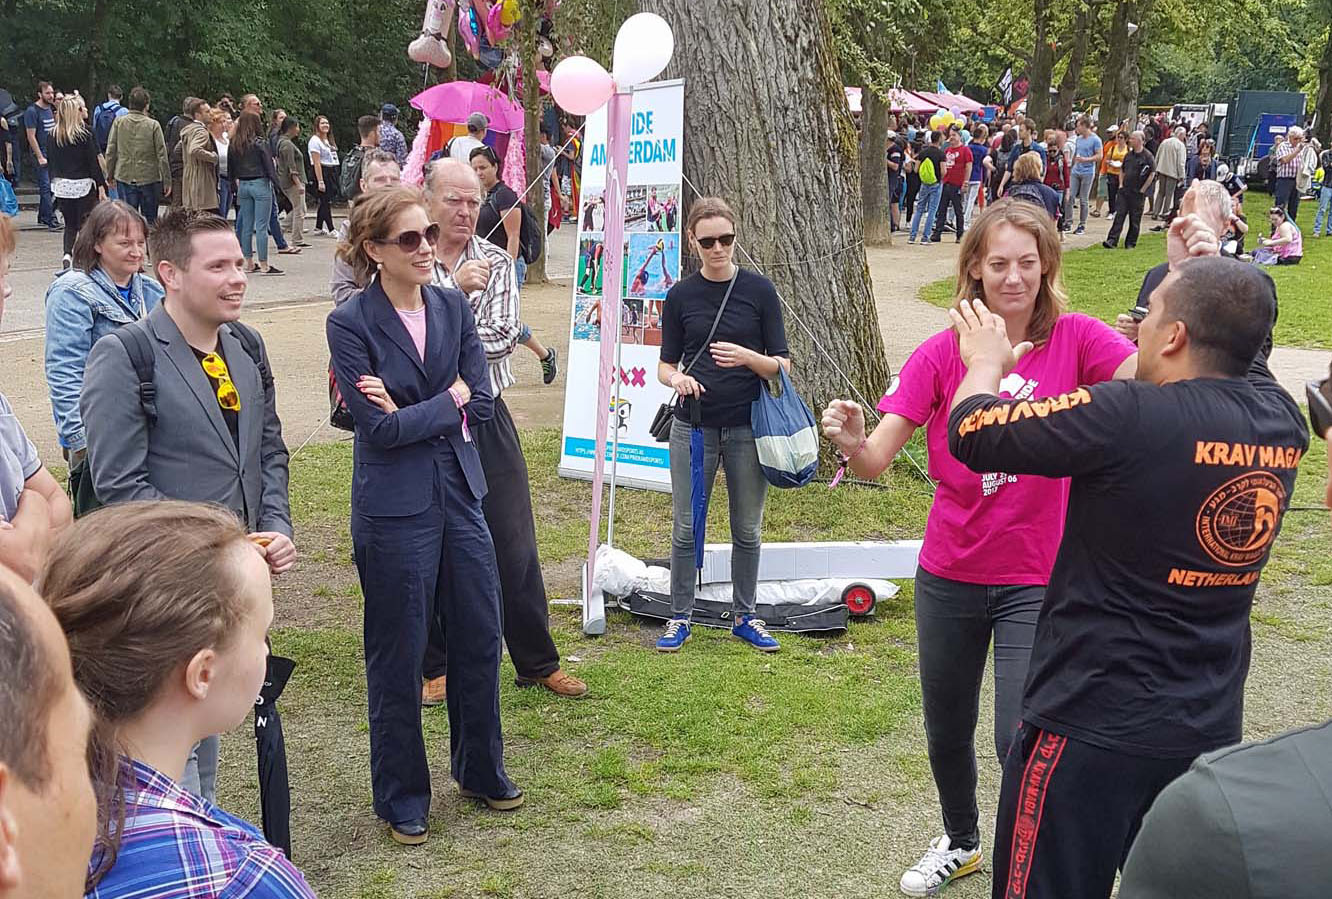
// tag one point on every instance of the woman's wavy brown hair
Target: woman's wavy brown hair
(1051, 299)
(372, 219)
(138, 588)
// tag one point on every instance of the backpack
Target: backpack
(103, 118)
(531, 238)
(8, 200)
(175, 150)
(138, 346)
(927, 173)
(349, 179)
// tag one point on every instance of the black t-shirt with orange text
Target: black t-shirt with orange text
(1177, 494)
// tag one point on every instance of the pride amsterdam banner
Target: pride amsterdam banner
(651, 254)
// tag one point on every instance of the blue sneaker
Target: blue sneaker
(677, 634)
(753, 631)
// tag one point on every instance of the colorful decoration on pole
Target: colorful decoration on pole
(643, 49)
(432, 47)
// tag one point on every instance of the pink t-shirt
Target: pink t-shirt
(415, 323)
(997, 528)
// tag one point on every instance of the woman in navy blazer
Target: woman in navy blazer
(412, 371)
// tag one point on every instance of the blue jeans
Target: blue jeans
(256, 202)
(224, 197)
(275, 227)
(143, 197)
(954, 624)
(520, 270)
(46, 203)
(1323, 217)
(927, 203)
(746, 489)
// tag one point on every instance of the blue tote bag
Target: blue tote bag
(785, 434)
(8, 201)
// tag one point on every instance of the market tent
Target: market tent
(961, 101)
(910, 101)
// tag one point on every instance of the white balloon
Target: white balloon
(643, 48)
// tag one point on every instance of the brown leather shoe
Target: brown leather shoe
(433, 692)
(560, 683)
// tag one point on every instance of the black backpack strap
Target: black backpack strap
(249, 339)
(139, 347)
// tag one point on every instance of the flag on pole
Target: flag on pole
(943, 90)
(1005, 85)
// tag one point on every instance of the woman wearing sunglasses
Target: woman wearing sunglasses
(716, 359)
(412, 370)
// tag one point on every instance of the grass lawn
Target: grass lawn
(1104, 283)
(717, 772)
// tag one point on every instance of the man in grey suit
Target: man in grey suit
(203, 426)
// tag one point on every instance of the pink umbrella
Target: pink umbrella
(456, 100)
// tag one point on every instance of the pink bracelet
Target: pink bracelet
(845, 461)
(457, 401)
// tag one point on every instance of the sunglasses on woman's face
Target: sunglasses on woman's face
(410, 241)
(708, 243)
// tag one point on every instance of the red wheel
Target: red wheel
(859, 599)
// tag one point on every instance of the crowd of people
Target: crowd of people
(938, 178)
(1120, 650)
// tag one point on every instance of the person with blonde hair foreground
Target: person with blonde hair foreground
(166, 606)
(968, 588)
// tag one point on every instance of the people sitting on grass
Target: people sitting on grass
(1284, 246)
(166, 606)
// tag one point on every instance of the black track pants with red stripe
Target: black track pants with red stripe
(1068, 813)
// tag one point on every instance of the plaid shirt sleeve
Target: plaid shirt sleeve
(497, 321)
(266, 874)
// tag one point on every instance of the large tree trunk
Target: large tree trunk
(1119, 87)
(1068, 85)
(768, 129)
(1323, 100)
(96, 59)
(526, 36)
(1041, 72)
(874, 114)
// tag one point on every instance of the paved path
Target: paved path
(290, 311)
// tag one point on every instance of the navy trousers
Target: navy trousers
(409, 566)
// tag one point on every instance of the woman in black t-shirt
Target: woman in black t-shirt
(718, 376)
(500, 221)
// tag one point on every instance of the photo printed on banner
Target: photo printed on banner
(591, 255)
(652, 207)
(653, 265)
(587, 318)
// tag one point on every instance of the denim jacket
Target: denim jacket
(80, 310)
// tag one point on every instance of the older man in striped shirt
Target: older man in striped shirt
(1288, 160)
(485, 273)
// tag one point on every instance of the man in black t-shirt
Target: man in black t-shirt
(895, 157)
(1180, 479)
(1135, 181)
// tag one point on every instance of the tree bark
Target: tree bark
(96, 58)
(1119, 85)
(526, 35)
(874, 114)
(1041, 73)
(1068, 85)
(768, 129)
(1323, 100)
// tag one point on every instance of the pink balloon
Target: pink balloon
(580, 85)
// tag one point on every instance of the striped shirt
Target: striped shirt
(178, 846)
(1291, 167)
(495, 308)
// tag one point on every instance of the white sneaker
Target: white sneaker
(66, 263)
(940, 866)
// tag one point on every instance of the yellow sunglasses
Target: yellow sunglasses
(216, 368)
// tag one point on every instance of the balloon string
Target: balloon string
(540, 179)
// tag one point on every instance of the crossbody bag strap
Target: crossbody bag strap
(716, 321)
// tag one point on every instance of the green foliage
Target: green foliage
(330, 57)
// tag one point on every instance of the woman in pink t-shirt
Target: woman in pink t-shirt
(990, 539)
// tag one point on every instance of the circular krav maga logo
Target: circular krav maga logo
(1237, 523)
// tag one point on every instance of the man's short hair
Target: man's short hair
(444, 163)
(1227, 308)
(290, 123)
(114, 92)
(936, 137)
(1215, 201)
(172, 238)
(42, 86)
(191, 106)
(28, 688)
(367, 125)
(376, 156)
(1084, 121)
(139, 99)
